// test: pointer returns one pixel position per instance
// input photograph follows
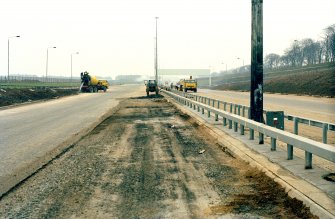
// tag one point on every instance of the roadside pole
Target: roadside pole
(156, 56)
(256, 88)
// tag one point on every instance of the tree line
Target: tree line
(305, 52)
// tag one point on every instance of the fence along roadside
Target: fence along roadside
(309, 146)
(239, 109)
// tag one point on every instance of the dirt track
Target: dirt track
(144, 162)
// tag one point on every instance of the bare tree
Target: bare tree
(319, 51)
(272, 61)
(310, 51)
(294, 54)
(329, 43)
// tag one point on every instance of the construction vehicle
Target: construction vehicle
(90, 83)
(151, 86)
(187, 84)
(103, 85)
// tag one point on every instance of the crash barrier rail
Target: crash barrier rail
(239, 122)
(242, 109)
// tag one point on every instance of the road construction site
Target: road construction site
(148, 160)
(140, 157)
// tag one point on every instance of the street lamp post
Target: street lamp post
(256, 88)
(242, 61)
(156, 55)
(210, 76)
(46, 68)
(76, 53)
(8, 54)
(226, 66)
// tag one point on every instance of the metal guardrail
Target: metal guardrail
(239, 109)
(292, 140)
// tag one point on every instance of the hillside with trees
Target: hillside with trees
(305, 52)
(306, 67)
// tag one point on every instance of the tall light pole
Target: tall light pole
(226, 66)
(210, 76)
(46, 68)
(156, 55)
(8, 54)
(76, 53)
(242, 61)
(256, 88)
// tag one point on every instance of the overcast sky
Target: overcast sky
(117, 36)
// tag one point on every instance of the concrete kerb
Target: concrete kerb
(254, 159)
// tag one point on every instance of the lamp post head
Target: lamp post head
(17, 36)
(54, 47)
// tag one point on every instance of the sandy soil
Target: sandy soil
(145, 161)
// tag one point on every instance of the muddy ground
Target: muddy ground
(145, 161)
(11, 96)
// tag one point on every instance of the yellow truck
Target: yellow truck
(90, 83)
(103, 85)
(187, 84)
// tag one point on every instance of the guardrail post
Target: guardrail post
(208, 113)
(308, 160)
(241, 129)
(251, 134)
(235, 126)
(213, 103)
(324, 132)
(296, 122)
(198, 108)
(224, 118)
(243, 111)
(218, 104)
(194, 106)
(196, 98)
(239, 110)
(209, 101)
(249, 113)
(230, 124)
(273, 144)
(289, 152)
(235, 106)
(202, 111)
(261, 138)
(231, 108)
(216, 117)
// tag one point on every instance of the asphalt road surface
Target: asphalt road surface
(318, 108)
(29, 132)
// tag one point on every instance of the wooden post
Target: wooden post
(256, 88)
